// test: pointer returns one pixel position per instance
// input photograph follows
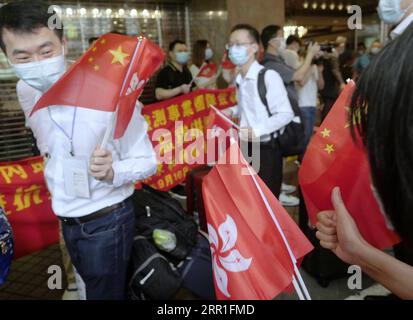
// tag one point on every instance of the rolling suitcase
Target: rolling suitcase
(322, 264)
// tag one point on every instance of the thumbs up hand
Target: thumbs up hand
(338, 231)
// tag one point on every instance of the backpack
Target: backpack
(154, 276)
(158, 210)
(6, 247)
(292, 140)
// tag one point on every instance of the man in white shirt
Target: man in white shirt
(398, 13)
(92, 202)
(255, 120)
(308, 97)
(290, 54)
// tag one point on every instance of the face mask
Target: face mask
(375, 51)
(41, 75)
(182, 57)
(280, 44)
(238, 55)
(391, 12)
(208, 54)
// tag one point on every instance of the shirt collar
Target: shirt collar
(252, 73)
(402, 26)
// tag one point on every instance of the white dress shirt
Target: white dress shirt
(307, 94)
(133, 155)
(402, 26)
(253, 113)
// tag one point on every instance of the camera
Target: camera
(327, 47)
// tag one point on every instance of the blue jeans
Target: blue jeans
(308, 116)
(100, 250)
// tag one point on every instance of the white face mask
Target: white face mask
(280, 44)
(41, 75)
(375, 51)
(391, 12)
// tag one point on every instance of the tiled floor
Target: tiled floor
(29, 276)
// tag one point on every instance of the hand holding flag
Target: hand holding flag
(334, 159)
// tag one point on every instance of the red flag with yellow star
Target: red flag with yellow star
(334, 159)
(110, 77)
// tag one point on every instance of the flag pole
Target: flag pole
(113, 119)
(294, 260)
(200, 69)
(298, 289)
(218, 112)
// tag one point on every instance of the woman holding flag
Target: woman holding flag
(204, 71)
(383, 102)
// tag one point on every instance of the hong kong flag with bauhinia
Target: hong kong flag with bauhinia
(333, 159)
(250, 258)
(110, 77)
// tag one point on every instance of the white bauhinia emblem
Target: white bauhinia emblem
(135, 84)
(226, 258)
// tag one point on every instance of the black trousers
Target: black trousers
(328, 104)
(271, 164)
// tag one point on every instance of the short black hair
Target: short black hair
(253, 33)
(292, 38)
(268, 33)
(383, 104)
(25, 16)
(92, 39)
(173, 44)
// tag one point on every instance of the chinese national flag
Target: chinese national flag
(226, 63)
(208, 70)
(334, 159)
(250, 259)
(110, 76)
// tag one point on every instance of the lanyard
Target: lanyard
(64, 132)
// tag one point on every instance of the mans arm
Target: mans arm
(164, 94)
(137, 159)
(300, 74)
(163, 83)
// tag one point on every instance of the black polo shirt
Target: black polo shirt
(170, 77)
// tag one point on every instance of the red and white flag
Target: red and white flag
(250, 257)
(110, 77)
(333, 159)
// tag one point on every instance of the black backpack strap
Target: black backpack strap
(262, 89)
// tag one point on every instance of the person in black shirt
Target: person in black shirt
(175, 78)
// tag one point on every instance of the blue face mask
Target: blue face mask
(238, 55)
(182, 57)
(391, 12)
(208, 53)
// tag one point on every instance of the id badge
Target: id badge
(76, 178)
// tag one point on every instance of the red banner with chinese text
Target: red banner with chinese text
(179, 149)
(26, 201)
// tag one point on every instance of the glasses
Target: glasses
(229, 45)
